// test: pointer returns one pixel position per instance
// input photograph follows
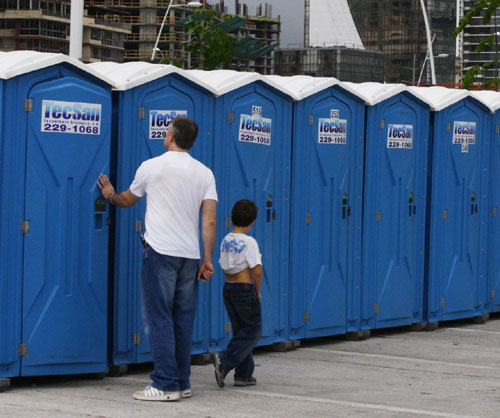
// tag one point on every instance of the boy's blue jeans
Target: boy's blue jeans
(243, 307)
(169, 299)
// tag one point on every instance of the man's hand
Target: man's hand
(208, 226)
(124, 199)
(206, 271)
(105, 186)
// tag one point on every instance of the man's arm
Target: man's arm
(208, 229)
(124, 199)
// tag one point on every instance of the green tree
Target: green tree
(210, 41)
(487, 9)
(171, 61)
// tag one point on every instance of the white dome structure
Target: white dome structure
(330, 23)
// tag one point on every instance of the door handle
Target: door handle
(345, 209)
(269, 208)
(411, 207)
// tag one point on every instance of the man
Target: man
(176, 186)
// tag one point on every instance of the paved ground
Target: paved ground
(453, 371)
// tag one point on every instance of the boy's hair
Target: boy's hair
(185, 131)
(244, 212)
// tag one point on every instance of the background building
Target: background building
(332, 46)
(472, 36)
(126, 30)
(146, 16)
(396, 28)
(45, 26)
(346, 64)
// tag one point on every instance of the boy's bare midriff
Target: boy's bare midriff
(243, 276)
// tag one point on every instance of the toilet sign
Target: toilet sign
(254, 128)
(464, 134)
(400, 136)
(71, 117)
(332, 131)
(159, 121)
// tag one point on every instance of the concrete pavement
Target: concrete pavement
(453, 371)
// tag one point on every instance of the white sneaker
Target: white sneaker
(152, 394)
(186, 393)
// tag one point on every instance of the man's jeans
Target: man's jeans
(170, 294)
(243, 307)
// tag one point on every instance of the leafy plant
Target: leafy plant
(214, 46)
(172, 61)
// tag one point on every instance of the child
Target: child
(240, 260)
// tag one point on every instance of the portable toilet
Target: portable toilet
(146, 98)
(395, 177)
(456, 284)
(252, 156)
(326, 207)
(492, 100)
(55, 123)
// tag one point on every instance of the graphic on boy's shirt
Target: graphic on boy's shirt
(233, 246)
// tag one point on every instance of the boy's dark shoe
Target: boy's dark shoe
(219, 371)
(252, 381)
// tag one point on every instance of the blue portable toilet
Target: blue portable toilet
(146, 98)
(395, 177)
(252, 156)
(326, 207)
(456, 283)
(55, 128)
(492, 100)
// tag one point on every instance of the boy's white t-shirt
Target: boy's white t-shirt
(175, 185)
(237, 252)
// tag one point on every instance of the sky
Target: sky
(291, 13)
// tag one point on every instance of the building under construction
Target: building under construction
(146, 17)
(45, 26)
(127, 30)
(396, 28)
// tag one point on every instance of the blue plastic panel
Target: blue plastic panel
(457, 285)
(10, 262)
(55, 276)
(394, 212)
(325, 234)
(65, 252)
(141, 138)
(494, 217)
(259, 171)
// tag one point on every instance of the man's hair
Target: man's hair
(185, 131)
(244, 213)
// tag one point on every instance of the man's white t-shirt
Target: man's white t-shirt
(175, 185)
(237, 252)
